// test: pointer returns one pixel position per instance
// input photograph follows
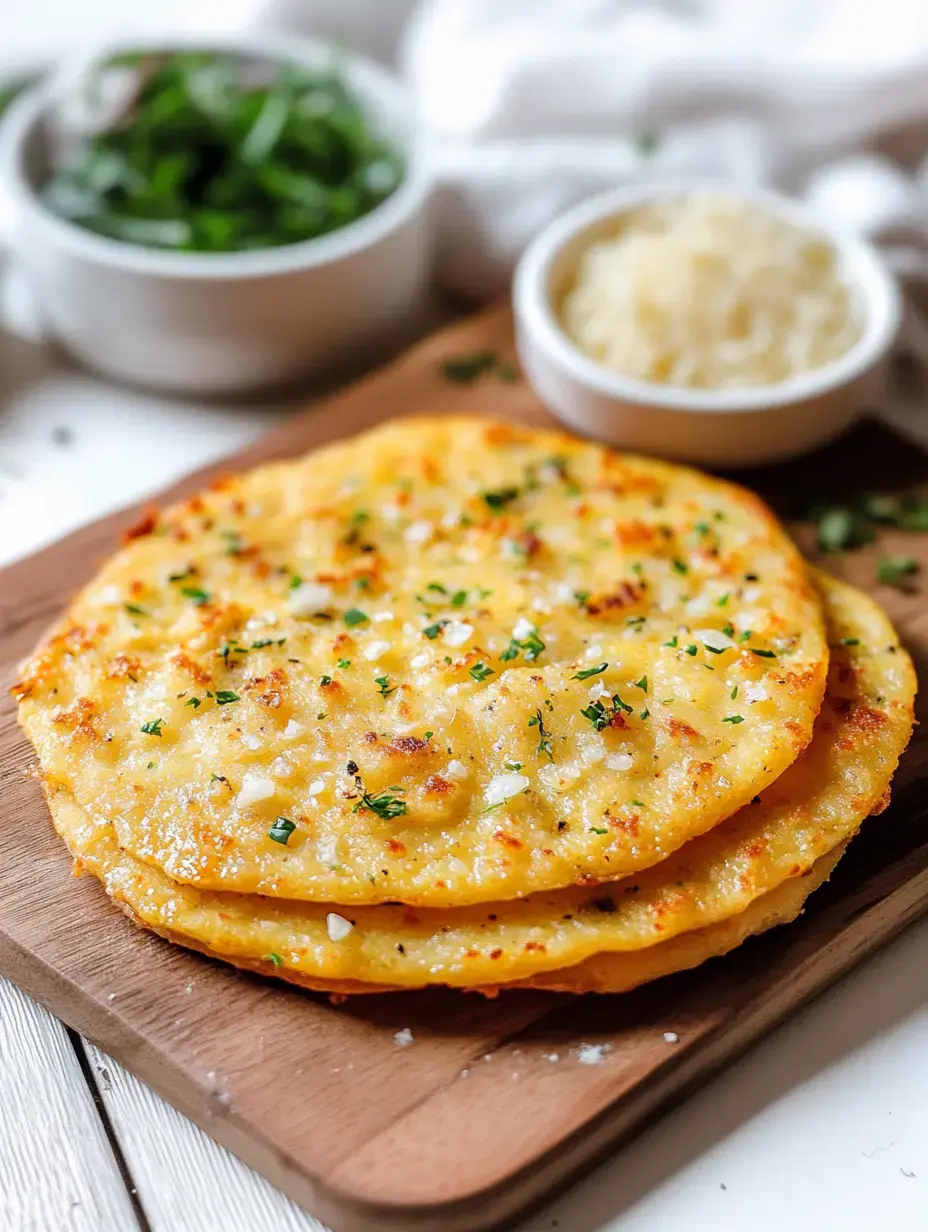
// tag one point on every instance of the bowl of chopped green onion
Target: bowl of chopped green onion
(218, 218)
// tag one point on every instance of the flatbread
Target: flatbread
(810, 811)
(451, 661)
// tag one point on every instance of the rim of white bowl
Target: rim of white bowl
(864, 271)
(380, 92)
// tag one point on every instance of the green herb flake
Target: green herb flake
(354, 616)
(734, 719)
(281, 830)
(850, 641)
(225, 697)
(691, 649)
(134, 610)
(897, 571)
(500, 498)
(437, 587)
(481, 672)
(383, 684)
(465, 369)
(459, 598)
(598, 830)
(642, 684)
(194, 702)
(734, 693)
(343, 663)
(544, 736)
(199, 597)
(275, 959)
(433, 630)
(763, 654)
(673, 643)
(384, 805)
(645, 714)
(153, 727)
(324, 680)
(590, 671)
(680, 566)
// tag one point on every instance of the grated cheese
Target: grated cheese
(710, 292)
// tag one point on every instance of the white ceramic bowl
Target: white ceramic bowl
(728, 427)
(215, 322)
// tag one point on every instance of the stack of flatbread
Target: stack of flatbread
(463, 703)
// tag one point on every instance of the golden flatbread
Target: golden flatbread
(810, 811)
(451, 661)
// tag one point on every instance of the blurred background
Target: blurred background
(519, 110)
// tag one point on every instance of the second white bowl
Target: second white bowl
(727, 427)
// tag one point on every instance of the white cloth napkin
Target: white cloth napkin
(531, 105)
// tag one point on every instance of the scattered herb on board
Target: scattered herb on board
(221, 153)
(466, 369)
(898, 571)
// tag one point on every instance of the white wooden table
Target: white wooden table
(825, 1126)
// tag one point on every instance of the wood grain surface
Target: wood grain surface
(474, 1121)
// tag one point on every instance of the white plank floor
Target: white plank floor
(164, 1151)
(58, 1172)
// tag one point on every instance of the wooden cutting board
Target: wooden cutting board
(475, 1120)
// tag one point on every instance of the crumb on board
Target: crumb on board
(593, 1054)
(404, 1038)
(671, 1037)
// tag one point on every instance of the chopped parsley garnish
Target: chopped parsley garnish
(645, 714)
(600, 716)
(734, 719)
(261, 643)
(734, 693)
(354, 616)
(582, 595)
(642, 684)
(134, 610)
(722, 601)
(514, 766)
(179, 577)
(544, 736)
(459, 598)
(728, 630)
(383, 684)
(281, 830)
(198, 596)
(680, 566)
(673, 643)
(384, 805)
(324, 680)
(295, 581)
(480, 671)
(839, 528)
(432, 631)
(500, 498)
(437, 587)
(763, 654)
(590, 671)
(897, 571)
(225, 696)
(597, 830)
(465, 369)
(194, 702)
(850, 641)
(636, 803)
(746, 635)
(343, 663)
(153, 727)
(532, 646)
(275, 959)
(429, 735)
(691, 649)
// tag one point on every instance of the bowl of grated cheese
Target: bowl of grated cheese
(717, 325)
